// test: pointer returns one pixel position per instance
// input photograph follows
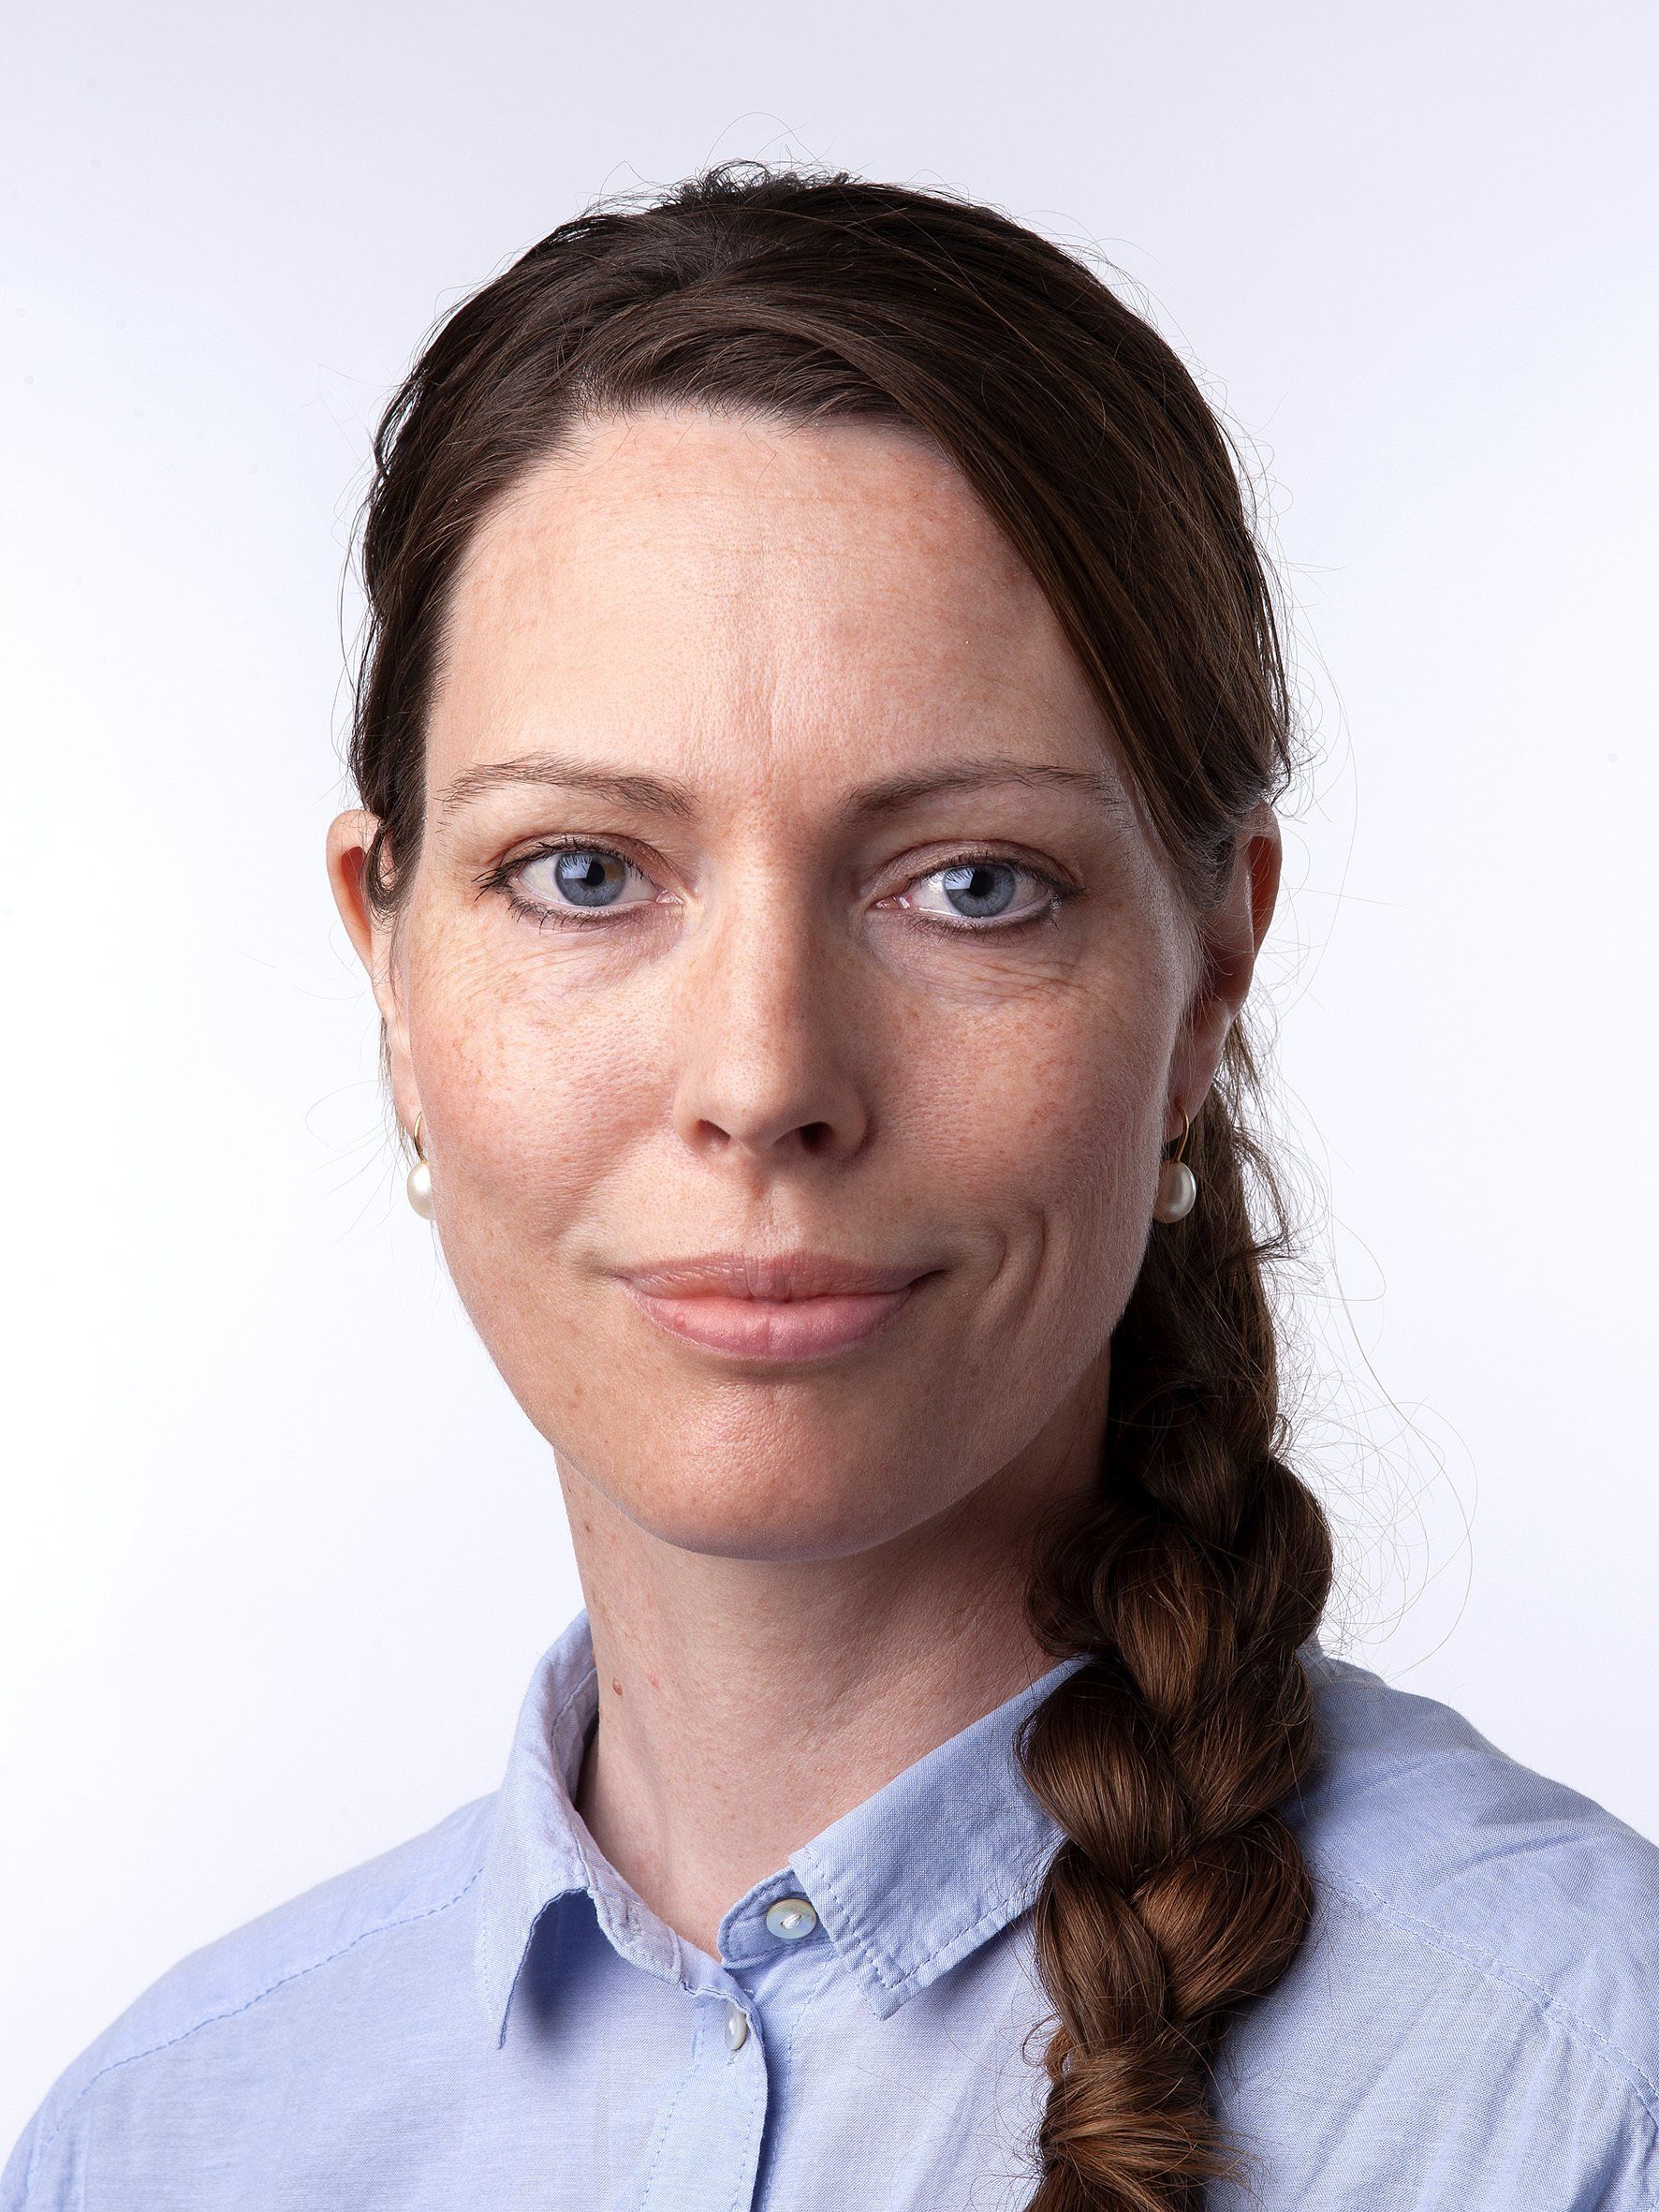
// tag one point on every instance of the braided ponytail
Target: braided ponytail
(1190, 1580)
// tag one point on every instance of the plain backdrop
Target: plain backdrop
(279, 1548)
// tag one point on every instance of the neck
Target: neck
(745, 1704)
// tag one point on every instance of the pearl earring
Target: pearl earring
(419, 1183)
(1178, 1186)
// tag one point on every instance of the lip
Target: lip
(797, 1306)
(771, 1276)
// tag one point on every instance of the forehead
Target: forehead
(718, 597)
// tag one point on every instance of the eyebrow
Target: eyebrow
(665, 795)
(651, 794)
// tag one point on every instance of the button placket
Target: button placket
(704, 2153)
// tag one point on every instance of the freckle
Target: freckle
(615, 1687)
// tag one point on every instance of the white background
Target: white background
(279, 1550)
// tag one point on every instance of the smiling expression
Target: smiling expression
(782, 899)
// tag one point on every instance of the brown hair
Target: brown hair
(1202, 1564)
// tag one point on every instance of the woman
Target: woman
(817, 746)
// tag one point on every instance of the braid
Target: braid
(1190, 1579)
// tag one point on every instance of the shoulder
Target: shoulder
(1416, 1813)
(1492, 1895)
(340, 1928)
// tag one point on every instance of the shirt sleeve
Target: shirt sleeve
(47, 2169)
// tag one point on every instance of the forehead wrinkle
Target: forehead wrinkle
(780, 671)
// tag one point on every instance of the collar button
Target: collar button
(790, 1919)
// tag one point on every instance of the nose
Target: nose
(766, 1035)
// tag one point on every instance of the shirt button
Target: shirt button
(791, 1918)
(736, 2027)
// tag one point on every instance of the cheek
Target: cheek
(1046, 1117)
(533, 1094)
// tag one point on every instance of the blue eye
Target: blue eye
(976, 891)
(565, 880)
(589, 878)
(980, 888)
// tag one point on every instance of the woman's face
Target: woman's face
(781, 898)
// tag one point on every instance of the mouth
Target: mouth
(799, 1307)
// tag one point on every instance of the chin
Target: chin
(805, 1505)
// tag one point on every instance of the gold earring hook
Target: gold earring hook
(414, 1133)
(1186, 1130)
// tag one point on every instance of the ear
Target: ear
(1230, 935)
(350, 836)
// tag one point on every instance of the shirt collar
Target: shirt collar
(933, 1864)
(938, 1861)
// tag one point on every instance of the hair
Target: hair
(1191, 1578)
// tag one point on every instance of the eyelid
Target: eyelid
(911, 866)
(977, 856)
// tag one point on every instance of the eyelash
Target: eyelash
(501, 879)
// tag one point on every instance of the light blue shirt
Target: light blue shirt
(488, 2019)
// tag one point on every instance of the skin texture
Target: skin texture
(784, 1035)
